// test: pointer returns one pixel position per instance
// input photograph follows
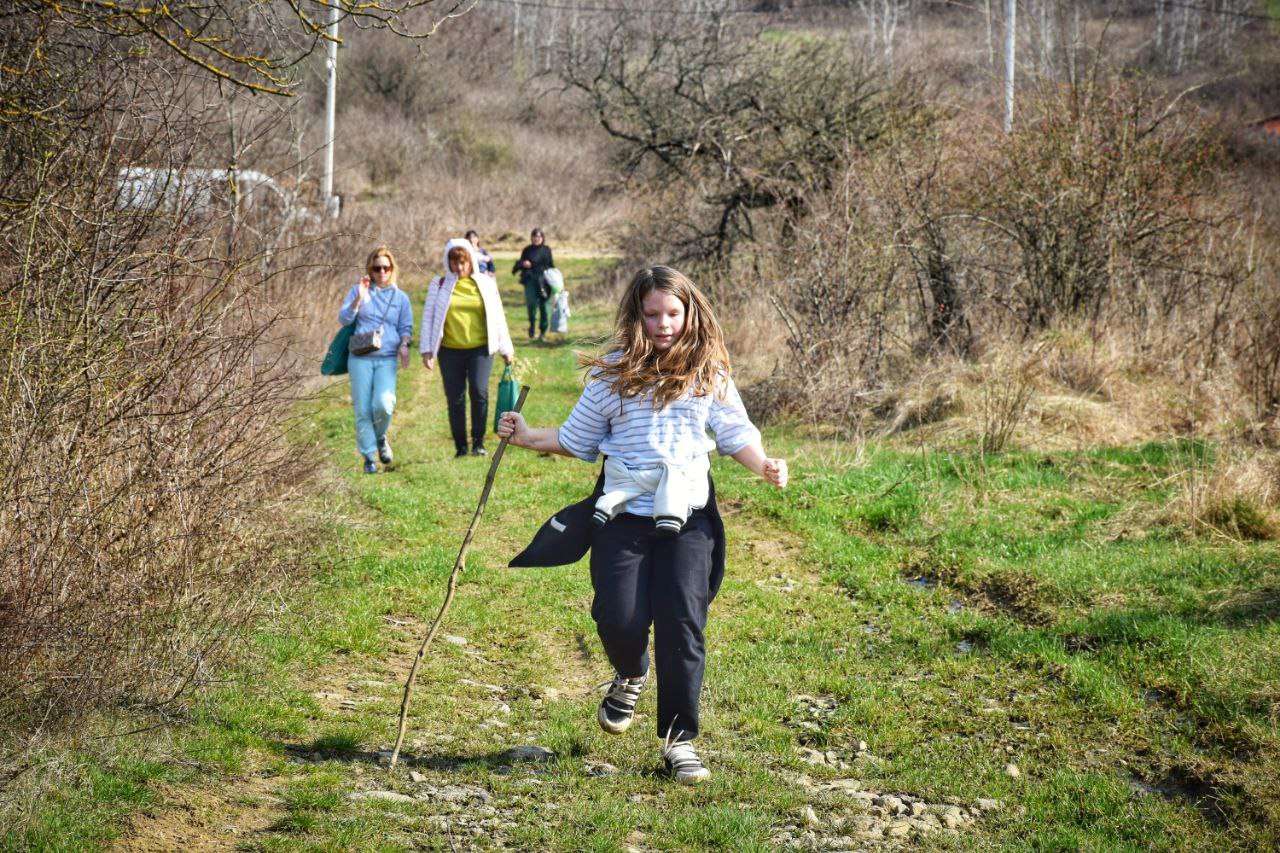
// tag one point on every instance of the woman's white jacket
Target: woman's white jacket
(440, 291)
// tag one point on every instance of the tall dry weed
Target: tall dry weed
(1236, 498)
(1005, 391)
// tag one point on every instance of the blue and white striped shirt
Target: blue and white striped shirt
(634, 432)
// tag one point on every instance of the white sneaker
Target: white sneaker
(618, 707)
(683, 763)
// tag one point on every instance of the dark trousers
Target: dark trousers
(461, 369)
(641, 579)
(536, 305)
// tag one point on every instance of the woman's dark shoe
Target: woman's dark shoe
(384, 451)
(370, 467)
(459, 453)
(478, 450)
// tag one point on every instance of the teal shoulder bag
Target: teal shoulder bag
(335, 360)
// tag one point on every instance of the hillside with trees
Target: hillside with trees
(900, 277)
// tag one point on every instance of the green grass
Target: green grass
(961, 612)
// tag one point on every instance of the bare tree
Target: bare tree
(255, 45)
(883, 18)
(737, 127)
(1188, 32)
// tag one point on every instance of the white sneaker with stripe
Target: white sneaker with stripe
(618, 707)
(683, 763)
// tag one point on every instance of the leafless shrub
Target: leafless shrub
(143, 403)
(1104, 197)
(1007, 386)
(147, 375)
(1256, 350)
(911, 191)
(1098, 237)
(395, 74)
(841, 301)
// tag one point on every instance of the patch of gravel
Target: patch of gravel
(811, 716)
(467, 814)
(843, 815)
(379, 797)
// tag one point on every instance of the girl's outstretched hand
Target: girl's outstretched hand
(775, 471)
(512, 427)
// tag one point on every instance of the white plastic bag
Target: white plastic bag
(560, 313)
(554, 279)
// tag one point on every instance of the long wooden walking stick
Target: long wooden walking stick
(453, 585)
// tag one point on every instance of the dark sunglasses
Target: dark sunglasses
(380, 269)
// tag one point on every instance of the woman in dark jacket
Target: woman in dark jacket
(534, 261)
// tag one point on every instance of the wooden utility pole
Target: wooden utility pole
(330, 110)
(1010, 37)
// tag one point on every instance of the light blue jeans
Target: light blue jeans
(373, 396)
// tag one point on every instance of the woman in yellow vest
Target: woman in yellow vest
(463, 325)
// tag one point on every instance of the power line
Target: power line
(657, 10)
(672, 10)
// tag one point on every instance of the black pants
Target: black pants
(460, 369)
(536, 305)
(641, 579)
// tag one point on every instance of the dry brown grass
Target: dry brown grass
(1237, 498)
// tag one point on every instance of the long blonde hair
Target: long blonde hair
(383, 251)
(697, 363)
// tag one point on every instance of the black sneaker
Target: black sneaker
(618, 707)
(384, 451)
(460, 453)
(370, 467)
(683, 763)
(479, 450)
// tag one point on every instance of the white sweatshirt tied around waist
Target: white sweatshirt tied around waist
(675, 490)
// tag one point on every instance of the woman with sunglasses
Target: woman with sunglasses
(375, 302)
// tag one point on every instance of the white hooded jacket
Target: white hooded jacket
(440, 291)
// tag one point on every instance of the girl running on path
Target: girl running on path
(657, 549)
